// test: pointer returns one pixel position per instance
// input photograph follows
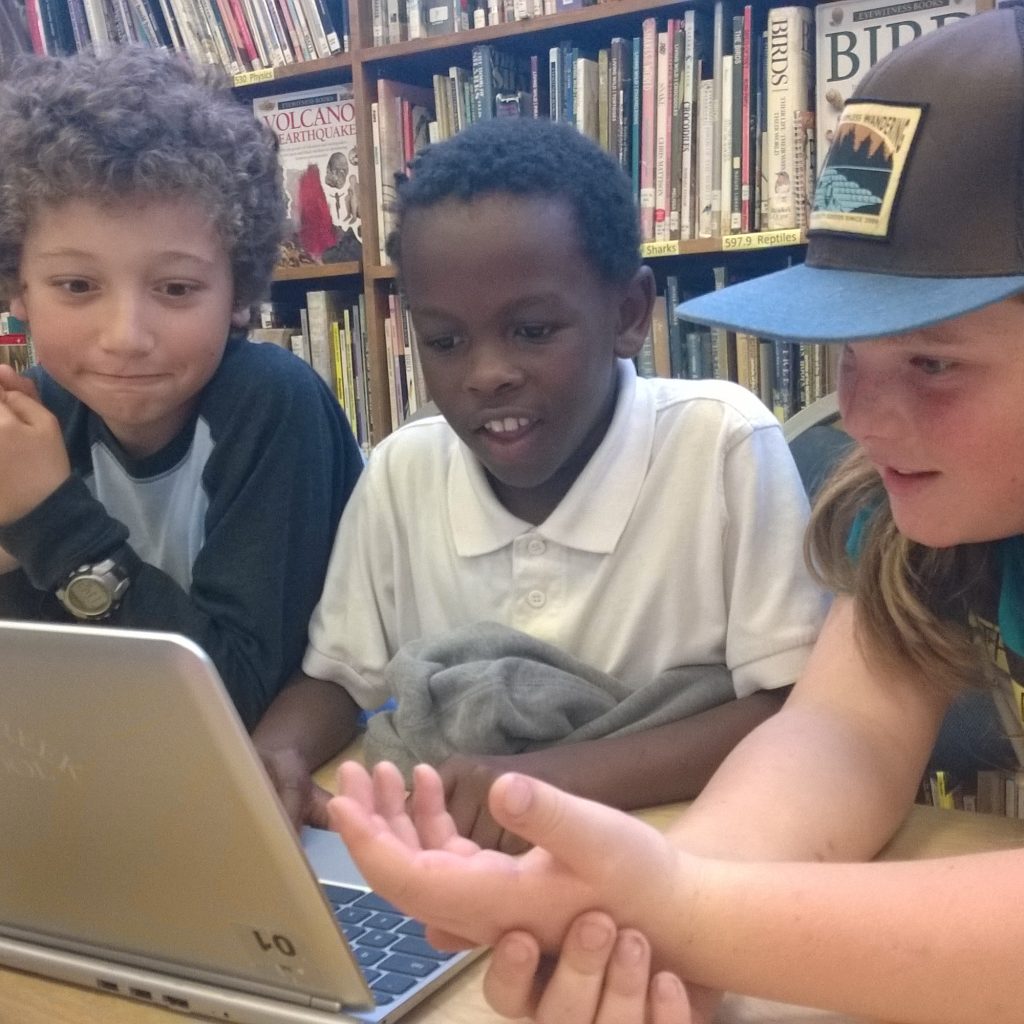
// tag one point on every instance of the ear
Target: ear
(635, 305)
(241, 317)
(17, 305)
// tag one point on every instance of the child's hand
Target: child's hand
(33, 459)
(467, 781)
(602, 976)
(588, 857)
(304, 801)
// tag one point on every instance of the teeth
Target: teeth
(506, 426)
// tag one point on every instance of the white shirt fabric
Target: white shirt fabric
(680, 543)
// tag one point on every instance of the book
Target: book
(316, 133)
(648, 128)
(853, 35)
(323, 309)
(790, 111)
(393, 154)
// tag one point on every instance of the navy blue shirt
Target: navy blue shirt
(226, 531)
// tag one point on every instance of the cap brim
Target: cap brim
(815, 304)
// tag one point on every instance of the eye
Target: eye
(75, 285)
(441, 343)
(533, 332)
(178, 289)
(932, 367)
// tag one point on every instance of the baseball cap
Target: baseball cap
(918, 214)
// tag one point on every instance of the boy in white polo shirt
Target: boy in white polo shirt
(651, 529)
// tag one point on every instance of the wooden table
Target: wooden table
(927, 832)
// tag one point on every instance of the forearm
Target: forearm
(831, 776)
(925, 942)
(661, 765)
(311, 718)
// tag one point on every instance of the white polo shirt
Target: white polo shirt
(680, 543)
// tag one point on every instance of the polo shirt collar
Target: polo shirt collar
(593, 515)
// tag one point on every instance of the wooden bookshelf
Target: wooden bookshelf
(415, 62)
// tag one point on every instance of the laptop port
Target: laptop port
(140, 993)
(107, 986)
(178, 1004)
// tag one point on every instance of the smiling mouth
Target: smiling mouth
(506, 425)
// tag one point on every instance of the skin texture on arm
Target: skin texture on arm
(661, 765)
(308, 722)
(847, 728)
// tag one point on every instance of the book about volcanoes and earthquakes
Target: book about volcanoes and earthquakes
(853, 35)
(316, 130)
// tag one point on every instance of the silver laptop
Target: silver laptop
(143, 850)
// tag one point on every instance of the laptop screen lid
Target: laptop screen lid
(140, 826)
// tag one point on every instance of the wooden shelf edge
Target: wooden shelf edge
(311, 271)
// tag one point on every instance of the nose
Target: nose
(126, 330)
(871, 402)
(492, 367)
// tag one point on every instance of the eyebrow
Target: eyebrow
(170, 254)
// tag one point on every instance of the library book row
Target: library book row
(240, 36)
(329, 333)
(687, 107)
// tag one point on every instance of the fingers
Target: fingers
(316, 810)
(511, 982)
(600, 978)
(433, 822)
(668, 1002)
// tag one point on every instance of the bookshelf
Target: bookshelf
(415, 62)
(741, 241)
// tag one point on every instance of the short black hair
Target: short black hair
(532, 158)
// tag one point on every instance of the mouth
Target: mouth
(507, 428)
(901, 479)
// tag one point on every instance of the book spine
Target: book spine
(738, 129)
(724, 134)
(319, 312)
(662, 103)
(688, 132)
(675, 27)
(747, 142)
(648, 128)
(788, 104)
(705, 157)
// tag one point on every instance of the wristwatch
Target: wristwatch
(92, 592)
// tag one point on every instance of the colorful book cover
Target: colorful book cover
(316, 131)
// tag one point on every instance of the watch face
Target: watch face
(88, 596)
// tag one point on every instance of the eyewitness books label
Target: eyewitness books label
(853, 35)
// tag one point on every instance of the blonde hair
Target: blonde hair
(912, 601)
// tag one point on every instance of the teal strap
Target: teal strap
(1011, 592)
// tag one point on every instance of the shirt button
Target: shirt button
(536, 599)
(536, 546)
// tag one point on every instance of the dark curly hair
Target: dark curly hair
(526, 157)
(138, 122)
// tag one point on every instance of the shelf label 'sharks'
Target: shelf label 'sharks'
(254, 77)
(649, 249)
(762, 239)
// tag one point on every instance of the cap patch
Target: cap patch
(861, 179)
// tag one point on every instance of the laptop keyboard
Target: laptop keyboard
(388, 945)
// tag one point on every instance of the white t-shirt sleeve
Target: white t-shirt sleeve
(775, 609)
